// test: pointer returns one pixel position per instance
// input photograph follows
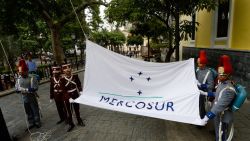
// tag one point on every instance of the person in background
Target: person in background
(32, 68)
(31, 65)
(224, 96)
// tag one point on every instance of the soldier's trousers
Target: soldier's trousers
(32, 110)
(69, 110)
(224, 128)
(61, 109)
(202, 106)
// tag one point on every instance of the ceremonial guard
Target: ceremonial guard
(71, 88)
(224, 96)
(205, 79)
(27, 86)
(56, 93)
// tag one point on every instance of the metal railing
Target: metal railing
(44, 72)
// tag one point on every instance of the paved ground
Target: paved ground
(104, 125)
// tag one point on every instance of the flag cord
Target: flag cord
(85, 35)
(7, 58)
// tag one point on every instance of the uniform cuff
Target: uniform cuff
(210, 115)
(210, 94)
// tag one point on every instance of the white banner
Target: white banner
(160, 90)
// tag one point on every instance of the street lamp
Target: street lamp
(73, 37)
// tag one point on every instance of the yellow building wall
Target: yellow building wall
(204, 32)
(240, 38)
(223, 42)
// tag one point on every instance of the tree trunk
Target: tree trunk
(171, 49)
(148, 49)
(169, 54)
(56, 45)
(177, 35)
(116, 48)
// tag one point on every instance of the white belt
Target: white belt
(57, 90)
(70, 91)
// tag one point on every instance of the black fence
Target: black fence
(44, 72)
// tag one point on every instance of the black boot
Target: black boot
(30, 127)
(70, 127)
(38, 124)
(80, 122)
(60, 121)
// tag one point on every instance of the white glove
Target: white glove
(198, 83)
(203, 93)
(204, 120)
(23, 89)
(50, 100)
(80, 93)
(71, 100)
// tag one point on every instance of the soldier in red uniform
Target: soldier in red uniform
(71, 87)
(56, 93)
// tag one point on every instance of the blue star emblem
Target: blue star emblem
(148, 78)
(140, 73)
(139, 92)
(131, 78)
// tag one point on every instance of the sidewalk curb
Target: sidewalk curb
(12, 90)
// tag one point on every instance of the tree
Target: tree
(101, 38)
(114, 39)
(55, 13)
(167, 12)
(134, 40)
(148, 27)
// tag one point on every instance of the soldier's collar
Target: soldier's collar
(68, 76)
(226, 82)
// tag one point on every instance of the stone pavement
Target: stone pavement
(105, 125)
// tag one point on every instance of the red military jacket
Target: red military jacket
(71, 87)
(56, 91)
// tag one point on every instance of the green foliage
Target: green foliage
(116, 38)
(101, 37)
(149, 28)
(17, 12)
(95, 20)
(158, 45)
(36, 19)
(47, 45)
(187, 28)
(43, 66)
(2, 69)
(105, 38)
(10, 46)
(148, 15)
(135, 40)
(156, 12)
